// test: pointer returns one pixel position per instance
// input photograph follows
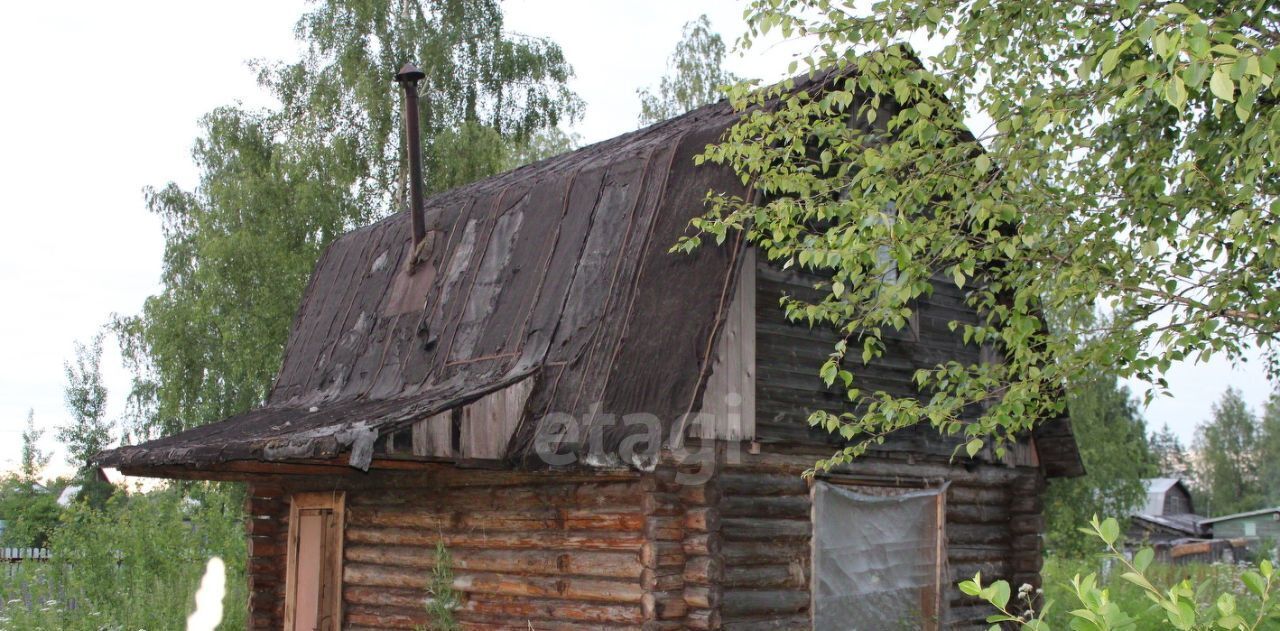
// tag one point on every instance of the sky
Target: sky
(105, 99)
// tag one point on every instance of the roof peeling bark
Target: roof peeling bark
(560, 269)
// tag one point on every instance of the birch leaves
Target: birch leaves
(1046, 159)
(1173, 51)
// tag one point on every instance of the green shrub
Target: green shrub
(133, 564)
(1136, 595)
(443, 599)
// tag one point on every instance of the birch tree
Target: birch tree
(1044, 158)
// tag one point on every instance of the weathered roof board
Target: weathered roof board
(558, 272)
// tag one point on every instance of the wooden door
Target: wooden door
(313, 599)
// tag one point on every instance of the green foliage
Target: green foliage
(1142, 597)
(443, 600)
(1172, 459)
(485, 91)
(238, 251)
(1269, 452)
(544, 144)
(30, 511)
(1120, 152)
(695, 77)
(276, 187)
(134, 564)
(1113, 445)
(33, 459)
(1230, 457)
(86, 396)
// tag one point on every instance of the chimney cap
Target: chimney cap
(410, 72)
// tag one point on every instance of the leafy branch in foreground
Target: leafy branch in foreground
(1184, 605)
(1049, 157)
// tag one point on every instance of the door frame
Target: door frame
(322, 500)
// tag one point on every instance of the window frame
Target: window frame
(335, 502)
(934, 610)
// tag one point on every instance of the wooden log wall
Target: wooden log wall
(993, 515)
(534, 553)
(529, 551)
(626, 550)
(267, 527)
(788, 355)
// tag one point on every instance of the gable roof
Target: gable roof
(1185, 524)
(1157, 490)
(556, 274)
(1160, 485)
(1252, 513)
(557, 271)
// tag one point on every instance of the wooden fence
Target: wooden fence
(12, 558)
(18, 555)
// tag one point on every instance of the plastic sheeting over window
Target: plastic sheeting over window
(878, 560)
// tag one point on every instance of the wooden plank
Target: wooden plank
(330, 506)
(523, 540)
(528, 562)
(487, 424)
(728, 400)
(433, 436)
(729, 423)
(609, 519)
(747, 318)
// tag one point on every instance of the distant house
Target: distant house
(1168, 516)
(69, 494)
(1168, 522)
(1260, 524)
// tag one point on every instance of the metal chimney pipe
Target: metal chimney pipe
(408, 77)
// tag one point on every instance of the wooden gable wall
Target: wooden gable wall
(788, 356)
(763, 382)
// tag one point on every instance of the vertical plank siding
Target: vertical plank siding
(729, 400)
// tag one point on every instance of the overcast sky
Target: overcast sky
(104, 99)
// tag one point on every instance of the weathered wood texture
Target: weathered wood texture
(661, 550)
(559, 270)
(528, 551)
(788, 355)
(993, 516)
(267, 527)
(479, 430)
(729, 401)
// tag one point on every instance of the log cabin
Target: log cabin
(602, 434)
